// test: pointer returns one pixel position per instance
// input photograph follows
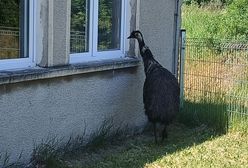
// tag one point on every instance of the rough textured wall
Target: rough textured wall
(157, 25)
(52, 32)
(61, 23)
(34, 111)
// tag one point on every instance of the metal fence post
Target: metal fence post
(182, 63)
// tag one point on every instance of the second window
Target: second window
(96, 29)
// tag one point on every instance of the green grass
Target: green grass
(211, 112)
(201, 22)
(216, 22)
(226, 151)
(185, 147)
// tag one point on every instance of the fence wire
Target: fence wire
(78, 42)
(215, 82)
(9, 42)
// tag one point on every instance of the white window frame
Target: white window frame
(20, 63)
(93, 54)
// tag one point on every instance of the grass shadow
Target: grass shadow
(140, 150)
(55, 152)
(197, 122)
(213, 113)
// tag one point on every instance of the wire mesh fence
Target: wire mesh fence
(9, 42)
(215, 82)
(78, 42)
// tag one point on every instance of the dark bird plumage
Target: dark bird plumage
(160, 91)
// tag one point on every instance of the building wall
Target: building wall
(60, 107)
(157, 25)
(32, 111)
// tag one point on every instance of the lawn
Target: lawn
(185, 147)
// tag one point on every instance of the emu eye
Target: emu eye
(136, 34)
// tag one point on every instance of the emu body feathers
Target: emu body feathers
(160, 91)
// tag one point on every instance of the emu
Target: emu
(160, 90)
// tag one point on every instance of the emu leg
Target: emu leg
(155, 132)
(164, 133)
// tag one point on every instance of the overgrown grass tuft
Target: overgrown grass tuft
(238, 123)
(48, 154)
(211, 112)
(107, 134)
(55, 153)
(6, 163)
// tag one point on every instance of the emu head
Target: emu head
(136, 35)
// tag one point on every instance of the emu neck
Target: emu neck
(147, 56)
(148, 62)
(141, 45)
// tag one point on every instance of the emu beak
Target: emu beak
(129, 37)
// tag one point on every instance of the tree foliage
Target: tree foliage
(104, 24)
(80, 18)
(9, 13)
(229, 22)
(237, 19)
(78, 15)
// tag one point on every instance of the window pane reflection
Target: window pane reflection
(13, 29)
(109, 25)
(79, 26)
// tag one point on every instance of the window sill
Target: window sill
(36, 73)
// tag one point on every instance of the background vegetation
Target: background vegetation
(9, 13)
(9, 28)
(219, 19)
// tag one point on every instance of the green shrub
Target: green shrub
(201, 22)
(215, 22)
(236, 19)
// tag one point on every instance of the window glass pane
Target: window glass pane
(109, 25)
(79, 26)
(13, 29)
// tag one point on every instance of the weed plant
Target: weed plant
(53, 153)
(6, 163)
